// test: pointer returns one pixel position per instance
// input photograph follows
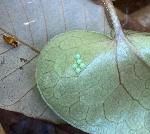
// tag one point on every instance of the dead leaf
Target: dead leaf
(16, 123)
(131, 23)
(142, 16)
(133, 14)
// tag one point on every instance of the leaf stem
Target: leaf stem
(115, 21)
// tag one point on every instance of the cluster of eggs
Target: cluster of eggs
(79, 65)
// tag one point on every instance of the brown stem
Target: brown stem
(115, 21)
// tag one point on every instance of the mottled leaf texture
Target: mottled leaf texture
(111, 95)
(34, 22)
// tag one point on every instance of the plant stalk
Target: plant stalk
(119, 35)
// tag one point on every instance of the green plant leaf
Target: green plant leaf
(34, 22)
(111, 95)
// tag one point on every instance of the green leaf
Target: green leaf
(34, 22)
(111, 95)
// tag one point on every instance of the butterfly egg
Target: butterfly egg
(74, 66)
(77, 56)
(82, 65)
(79, 61)
(78, 70)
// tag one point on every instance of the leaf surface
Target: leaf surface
(35, 22)
(111, 95)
